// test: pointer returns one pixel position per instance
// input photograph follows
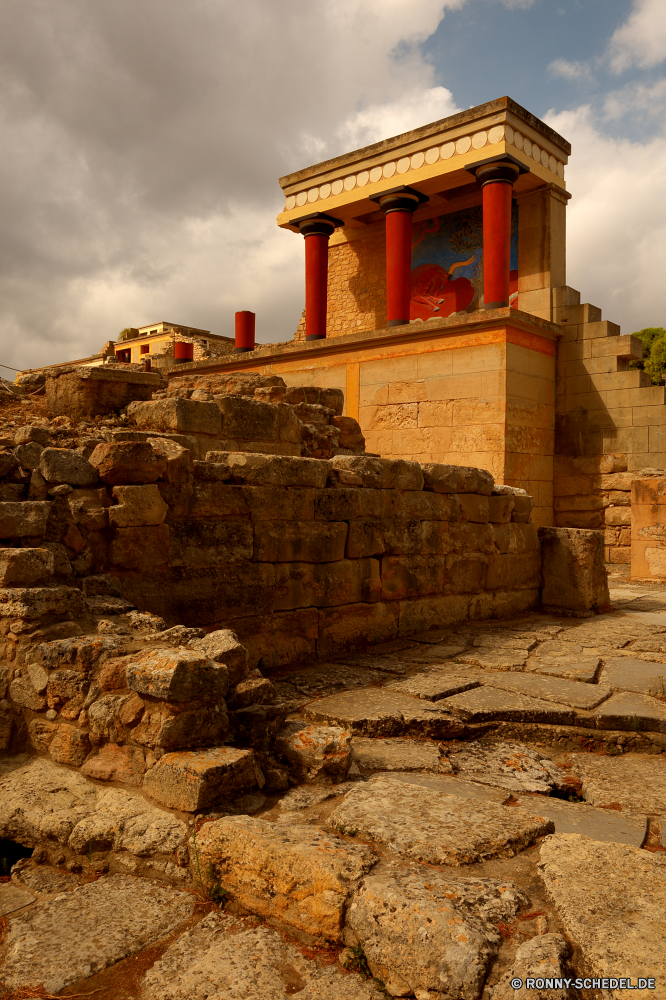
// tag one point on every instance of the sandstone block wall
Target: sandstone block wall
(301, 557)
(648, 526)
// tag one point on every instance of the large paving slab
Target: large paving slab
(513, 766)
(567, 817)
(386, 663)
(425, 930)
(634, 711)
(429, 826)
(298, 875)
(486, 657)
(398, 755)
(13, 897)
(378, 712)
(636, 782)
(46, 803)
(432, 685)
(485, 704)
(623, 673)
(224, 958)
(76, 934)
(611, 899)
(563, 692)
(327, 678)
(578, 817)
(440, 653)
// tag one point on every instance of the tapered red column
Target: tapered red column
(497, 181)
(317, 230)
(398, 207)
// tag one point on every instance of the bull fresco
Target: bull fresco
(447, 264)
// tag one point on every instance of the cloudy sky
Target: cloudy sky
(142, 141)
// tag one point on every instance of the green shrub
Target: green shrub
(653, 362)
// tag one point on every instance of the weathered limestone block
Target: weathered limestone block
(82, 652)
(120, 463)
(89, 508)
(140, 549)
(457, 479)
(474, 508)
(351, 435)
(272, 470)
(500, 509)
(299, 875)
(325, 585)
(543, 958)
(69, 746)
(516, 538)
(300, 541)
(412, 576)
(422, 932)
(116, 763)
(610, 899)
(513, 572)
(63, 465)
(22, 693)
(573, 569)
(31, 433)
(178, 459)
(196, 541)
(182, 726)
(332, 398)
(379, 473)
(104, 717)
(96, 391)
(24, 520)
(28, 455)
(186, 416)
(224, 648)
(316, 753)
(254, 691)
(434, 827)
(137, 506)
(312, 413)
(25, 567)
(62, 603)
(199, 779)
(248, 419)
(177, 675)
(279, 639)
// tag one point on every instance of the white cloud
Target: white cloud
(570, 70)
(640, 101)
(142, 145)
(381, 121)
(641, 40)
(616, 221)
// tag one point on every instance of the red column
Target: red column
(183, 352)
(244, 331)
(316, 229)
(398, 208)
(497, 181)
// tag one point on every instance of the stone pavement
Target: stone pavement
(445, 813)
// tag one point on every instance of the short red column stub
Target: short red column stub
(244, 330)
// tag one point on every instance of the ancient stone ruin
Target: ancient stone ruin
(284, 717)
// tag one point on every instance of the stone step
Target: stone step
(197, 779)
(379, 712)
